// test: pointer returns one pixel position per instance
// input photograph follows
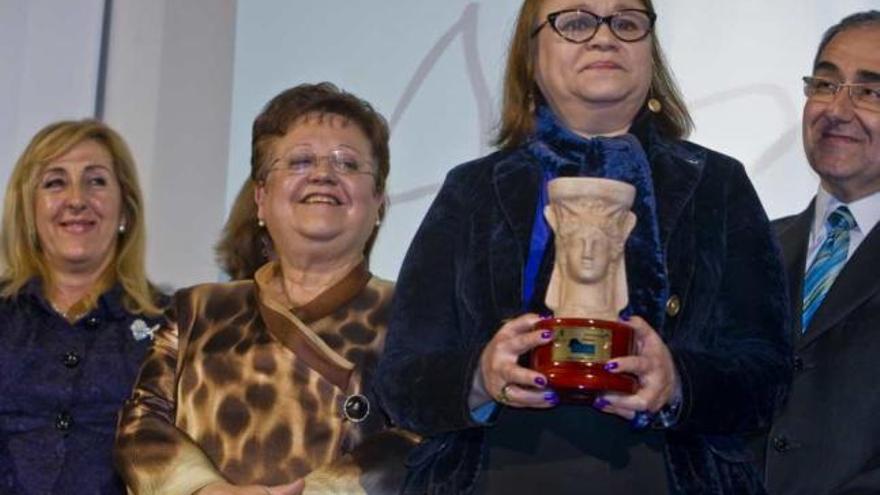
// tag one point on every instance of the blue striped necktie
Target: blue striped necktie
(829, 260)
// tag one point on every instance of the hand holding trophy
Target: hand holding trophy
(591, 220)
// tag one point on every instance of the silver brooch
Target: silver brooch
(140, 330)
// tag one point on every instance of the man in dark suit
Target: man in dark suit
(826, 438)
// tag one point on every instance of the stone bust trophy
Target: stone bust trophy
(591, 220)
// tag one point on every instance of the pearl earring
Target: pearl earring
(121, 228)
(260, 222)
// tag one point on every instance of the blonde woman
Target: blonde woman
(76, 308)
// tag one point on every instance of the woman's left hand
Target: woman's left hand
(655, 369)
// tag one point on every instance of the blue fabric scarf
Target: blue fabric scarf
(563, 153)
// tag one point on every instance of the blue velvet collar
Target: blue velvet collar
(563, 153)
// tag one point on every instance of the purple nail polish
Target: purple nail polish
(554, 402)
(540, 381)
(546, 334)
(601, 403)
(610, 366)
(551, 397)
(624, 317)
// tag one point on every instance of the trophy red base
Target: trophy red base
(574, 361)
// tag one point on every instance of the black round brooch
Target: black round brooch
(356, 408)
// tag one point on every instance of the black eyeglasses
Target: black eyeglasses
(863, 95)
(579, 26)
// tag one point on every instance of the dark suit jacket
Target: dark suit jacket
(463, 275)
(827, 436)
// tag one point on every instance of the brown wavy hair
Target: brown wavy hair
(290, 105)
(244, 246)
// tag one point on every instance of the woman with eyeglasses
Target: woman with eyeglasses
(588, 93)
(254, 384)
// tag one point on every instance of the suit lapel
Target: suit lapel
(793, 238)
(516, 181)
(856, 282)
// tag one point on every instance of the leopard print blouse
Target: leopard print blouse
(239, 387)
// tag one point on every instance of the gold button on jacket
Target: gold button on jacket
(673, 305)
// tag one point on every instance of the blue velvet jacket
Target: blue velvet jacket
(463, 276)
(61, 386)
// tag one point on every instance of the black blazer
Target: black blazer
(827, 436)
(463, 275)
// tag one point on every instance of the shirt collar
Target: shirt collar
(325, 303)
(109, 303)
(866, 211)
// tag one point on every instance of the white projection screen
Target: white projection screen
(434, 70)
(49, 68)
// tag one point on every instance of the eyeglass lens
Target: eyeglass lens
(865, 96)
(580, 25)
(341, 161)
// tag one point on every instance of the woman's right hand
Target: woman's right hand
(224, 488)
(503, 379)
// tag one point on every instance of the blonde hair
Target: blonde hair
(521, 93)
(21, 255)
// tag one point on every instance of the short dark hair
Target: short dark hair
(859, 19)
(323, 98)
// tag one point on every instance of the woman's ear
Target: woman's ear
(383, 208)
(259, 196)
(260, 199)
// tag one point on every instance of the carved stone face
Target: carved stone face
(588, 254)
(591, 220)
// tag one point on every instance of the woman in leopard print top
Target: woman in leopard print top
(254, 384)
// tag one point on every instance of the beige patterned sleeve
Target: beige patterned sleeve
(151, 453)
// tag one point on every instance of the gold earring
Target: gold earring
(654, 104)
